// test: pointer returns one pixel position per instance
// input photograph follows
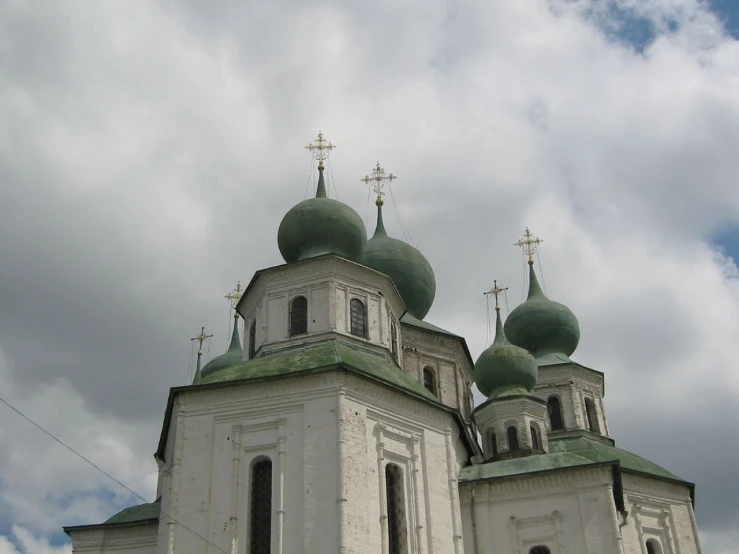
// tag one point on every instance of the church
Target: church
(346, 423)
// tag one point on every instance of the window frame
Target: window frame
(303, 330)
(397, 515)
(355, 301)
(558, 400)
(513, 442)
(536, 442)
(429, 370)
(591, 414)
(256, 523)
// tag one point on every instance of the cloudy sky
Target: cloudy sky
(148, 151)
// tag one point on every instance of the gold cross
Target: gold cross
(320, 148)
(234, 296)
(496, 290)
(529, 243)
(201, 338)
(378, 179)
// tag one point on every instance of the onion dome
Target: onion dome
(234, 355)
(547, 329)
(504, 369)
(405, 265)
(321, 225)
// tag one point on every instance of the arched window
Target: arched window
(429, 380)
(512, 438)
(394, 339)
(555, 413)
(541, 549)
(260, 522)
(592, 415)
(493, 444)
(535, 437)
(252, 338)
(298, 316)
(654, 547)
(358, 318)
(396, 528)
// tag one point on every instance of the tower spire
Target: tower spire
(529, 243)
(499, 333)
(201, 337)
(378, 179)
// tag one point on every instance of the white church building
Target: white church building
(346, 423)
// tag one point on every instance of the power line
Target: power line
(101, 470)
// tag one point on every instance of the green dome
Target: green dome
(543, 327)
(405, 265)
(234, 355)
(505, 369)
(321, 225)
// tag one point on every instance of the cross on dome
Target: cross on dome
(495, 291)
(378, 179)
(201, 337)
(529, 243)
(234, 296)
(320, 148)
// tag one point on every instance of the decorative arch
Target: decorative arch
(540, 549)
(512, 434)
(535, 436)
(429, 379)
(554, 409)
(260, 507)
(298, 316)
(358, 318)
(654, 547)
(493, 443)
(592, 415)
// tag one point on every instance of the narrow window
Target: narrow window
(428, 380)
(252, 338)
(298, 316)
(592, 415)
(358, 318)
(535, 440)
(555, 413)
(396, 528)
(394, 340)
(653, 547)
(493, 445)
(540, 550)
(260, 527)
(512, 438)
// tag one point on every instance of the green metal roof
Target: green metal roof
(134, 515)
(411, 321)
(567, 453)
(322, 355)
(142, 512)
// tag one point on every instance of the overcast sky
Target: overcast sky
(148, 151)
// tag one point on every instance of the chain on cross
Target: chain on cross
(495, 291)
(320, 148)
(378, 179)
(529, 243)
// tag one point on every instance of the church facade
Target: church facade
(346, 423)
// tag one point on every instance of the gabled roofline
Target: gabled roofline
(446, 334)
(75, 528)
(471, 444)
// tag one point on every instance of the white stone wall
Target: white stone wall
(568, 511)
(138, 539)
(446, 357)
(573, 383)
(521, 412)
(661, 511)
(329, 285)
(329, 437)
